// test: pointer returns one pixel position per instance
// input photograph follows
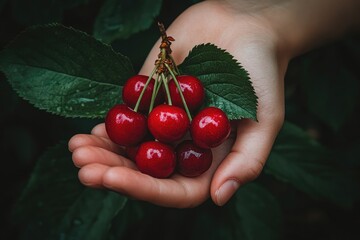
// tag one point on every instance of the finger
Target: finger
(100, 131)
(164, 192)
(81, 140)
(245, 161)
(254, 139)
(177, 191)
(91, 175)
(89, 154)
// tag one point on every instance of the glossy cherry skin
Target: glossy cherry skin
(192, 161)
(168, 123)
(156, 159)
(131, 151)
(124, 126)
(192, 89)
(132, 90)
(210, 127)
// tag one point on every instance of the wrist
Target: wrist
(300, 25)
(305, 25)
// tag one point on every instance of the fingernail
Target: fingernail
(224, 193)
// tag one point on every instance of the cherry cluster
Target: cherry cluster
(157, 114)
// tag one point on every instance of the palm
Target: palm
(101, 164)
(251, 44)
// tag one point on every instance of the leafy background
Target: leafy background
(309, 188)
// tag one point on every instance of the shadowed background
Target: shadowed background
(323, 98)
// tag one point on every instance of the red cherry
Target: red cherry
(168, 123)
(131, 151)
(210, 127)
(192, 89)
(124, 126)
(133, 88)
(192, 161)
(156, 159)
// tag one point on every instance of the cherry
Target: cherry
(131, 151)
(192, 89)
(125, 126)
(168, 123)
(192, 161)
(156, 159)
(210, 127)
(133, 88)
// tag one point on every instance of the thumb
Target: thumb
(246, 159)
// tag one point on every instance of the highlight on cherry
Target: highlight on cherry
(158, 111)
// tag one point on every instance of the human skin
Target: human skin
(263, 36)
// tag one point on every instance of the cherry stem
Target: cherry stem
(163, 54)
(166, 88)
(158, 86)
(144, 89)
(154, 93)
(176, 70)
(180, 92)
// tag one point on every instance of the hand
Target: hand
(255, 44)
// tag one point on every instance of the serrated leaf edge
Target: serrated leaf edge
(54, 25)
(231, 58)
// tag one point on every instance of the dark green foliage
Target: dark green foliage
(65, 71)
(54, 205)
(61, 74)
(41, 11)
(311, 175)
(257, 214)
(331, 85)
(121, 19)
(303, 162)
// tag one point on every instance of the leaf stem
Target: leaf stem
(144, 89)
(180, 92)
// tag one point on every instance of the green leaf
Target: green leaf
(54, 205)
(91, 215)
(301, 161)
(253, 213)
(41, 11)
(65, 71)
(207, 221)
(131, 214)
(142, 41)
(331, 87)
(257, 214)
(121, 19)
(226, 82)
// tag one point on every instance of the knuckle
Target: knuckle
(254, 170)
